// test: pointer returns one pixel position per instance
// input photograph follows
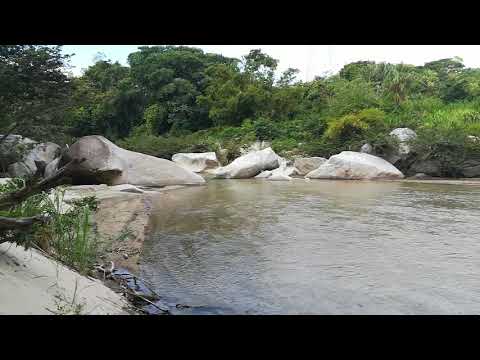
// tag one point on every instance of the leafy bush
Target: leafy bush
(265, 129)
(355, 125)
(66, 235)
(350, 96)
(69, 235)
(448, 145)
(12, 185)
(285, 146)
(163, 147)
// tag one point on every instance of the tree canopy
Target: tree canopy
(183, 94)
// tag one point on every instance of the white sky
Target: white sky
(311, 60)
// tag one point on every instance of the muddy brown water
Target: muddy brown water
(318, 247)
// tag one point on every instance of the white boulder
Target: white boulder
(249, 165)
(264, 174)
(304, 165)
(366, 148)
(196, 162)
(403, 135)
(355, 166)
(51, 168)
(21, 169)
(109, 164)
(256, 146)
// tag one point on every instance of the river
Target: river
(318, 247)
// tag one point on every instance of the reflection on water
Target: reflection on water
(318, 247)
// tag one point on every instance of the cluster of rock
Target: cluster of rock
(249, 165)
(421, 165)
(267, 165)
(106, 163)
(34, 157)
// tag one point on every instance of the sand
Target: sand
(34, 284)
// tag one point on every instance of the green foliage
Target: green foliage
(90, 202)
(67, 235)
(265, 129)
(164, 147)
(350, 96)
(177, 98)
(231, 97)
(355, 125)
(35, 91)
(155, 117)
(12, 185)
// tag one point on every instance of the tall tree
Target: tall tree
(172, 77)
(34, 89)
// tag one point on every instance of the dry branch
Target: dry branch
(7, 223)
(34, 187)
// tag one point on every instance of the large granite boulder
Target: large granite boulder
(403, 150)
(430, 167)
(249, 165)
(21, 169)
(196, 162)
(304, 165)
(470, 168)
(52, 167)
(355, 166)
(109, 164)
(256, 146)
(13, 149)
(367, 149)
(282, 173)
(403, 135)
(264, 174)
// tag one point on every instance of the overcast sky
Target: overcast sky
(311, 60)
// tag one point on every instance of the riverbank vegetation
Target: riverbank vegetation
(178, 99)
(62, 230)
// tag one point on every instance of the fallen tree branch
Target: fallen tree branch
(33, 186)
(7, 223)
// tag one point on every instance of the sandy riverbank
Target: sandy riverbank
(33, 284)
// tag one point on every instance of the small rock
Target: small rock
(125, 256)
(419, 176)
(367, 149)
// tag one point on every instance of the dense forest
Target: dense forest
(173, 99)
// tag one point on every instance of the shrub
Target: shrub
(285, 145)
(66, 235)
(265, 129)
(354, 126)
(449, 145)
(351, 96)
